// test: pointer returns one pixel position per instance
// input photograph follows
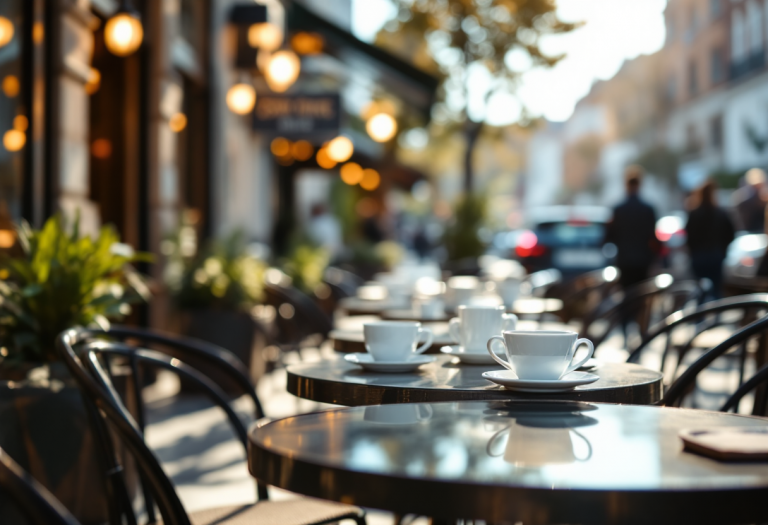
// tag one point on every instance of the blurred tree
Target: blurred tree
(453, 38)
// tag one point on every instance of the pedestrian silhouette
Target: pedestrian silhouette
(709, 231)
(749, 201)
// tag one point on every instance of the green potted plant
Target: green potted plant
(462, 235)
(54, 279)
(216, 288)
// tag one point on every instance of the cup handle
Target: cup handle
(428, 342)
(453, 329)
(575, 349)
(496, 358)
(427, 410)
(491, 442)
(589, 445)
(510, 321)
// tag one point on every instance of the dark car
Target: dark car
(568, 238)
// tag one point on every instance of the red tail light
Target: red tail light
(528, 245)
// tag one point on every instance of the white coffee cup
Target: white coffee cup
(509, 290)
(430, 307)
(540, 355)
(460, 290)
(476, 324)
(395, 340)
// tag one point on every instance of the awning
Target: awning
(414, 86)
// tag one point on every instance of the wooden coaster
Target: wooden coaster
(728, 443)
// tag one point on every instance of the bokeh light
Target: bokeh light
(101, 148)
(20, 122)
(282, 70)
(351, 173)
(340, 149)
(123, 34)
(94, 82)
(241, 98)
(307, 43)
(6, 31)
(265, 36)
(280, 147)
(177, 122)
(11, 86)
(302, 150)
(370, 180)
(324, 160)
(381, 127)
(14, 140)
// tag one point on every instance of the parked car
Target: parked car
(744, 255)
(568, 238)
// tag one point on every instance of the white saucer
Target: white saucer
(469, 358)
(509, 380)
(366, 361)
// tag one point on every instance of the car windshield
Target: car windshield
(560, 233)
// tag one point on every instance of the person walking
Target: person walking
(709, 231)
(750, 200)
(632, 229)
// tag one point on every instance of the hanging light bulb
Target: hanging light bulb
(6, 31)
(14, 140)
(340, 149)
(265, 36)
(123, 32)
(282, 70)
(241, 98)
(381, 127)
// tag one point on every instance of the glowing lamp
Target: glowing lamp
(11, 86)
(351, 173)
(20, 122)
(302, 150)
(324, 160)
(6, 31)
(7, 238)
(307, 43)
(280, 147)
(340, 149)
(123, 33)
(177, 122)
(241, 98)
(381, 127)
(265, 36)
(282, 70)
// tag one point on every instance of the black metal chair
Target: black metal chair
(107, 407)
(539, 282)
(638, 304)
(298, 318)
(33, 500)
(686, 383)
(703, 319)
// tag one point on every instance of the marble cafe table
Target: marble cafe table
(535, 462)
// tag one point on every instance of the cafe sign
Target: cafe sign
(297, 116)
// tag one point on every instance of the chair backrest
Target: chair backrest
(760, 379)
(105, 406)
(677, 392)
(638, 302)
(696, 315)
(539, 282)
(33, 500)
(213, 355)
(298, 316)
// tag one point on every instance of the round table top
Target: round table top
(357, 306)
(535, 462)
(406, 314)
(338, 382)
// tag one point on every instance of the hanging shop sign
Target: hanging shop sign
(298, 116)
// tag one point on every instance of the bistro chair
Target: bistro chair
(200, 352)
(638, 304)
(684, 385)
(584, 292)
(539, 282)
(697, 322)
(29, 497)
(105, 406)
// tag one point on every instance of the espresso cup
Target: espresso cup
(476, 324)
(430, 307)
(540, 355)
(508, 290)
(395, 340)
(461, 289)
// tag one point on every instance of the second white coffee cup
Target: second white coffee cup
(395, 340)
(540, 355)
(476, 324)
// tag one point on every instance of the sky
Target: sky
(613, 31)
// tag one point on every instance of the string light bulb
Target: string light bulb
(265, 36)
(282, 70)
(340, 149)
(123, 33)
(241, 98)
(14, 140)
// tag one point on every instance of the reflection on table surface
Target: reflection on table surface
(555, 445)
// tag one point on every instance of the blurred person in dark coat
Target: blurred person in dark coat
(632, 229)
(709, 232)
(749, 201)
